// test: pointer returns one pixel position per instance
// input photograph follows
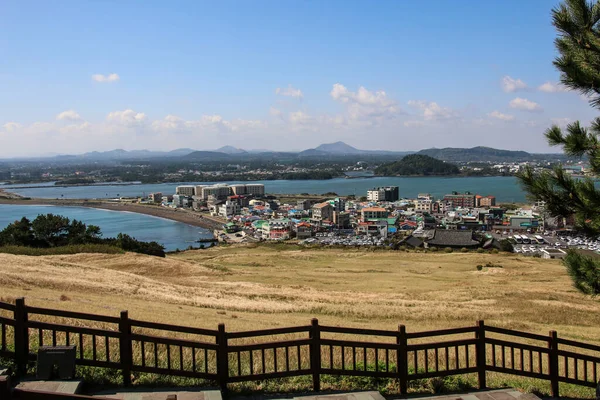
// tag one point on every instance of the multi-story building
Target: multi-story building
(155, 197)
(303, 230)
(186, 190)
(255, 189)
(199, 190)
(373, 213)
(423, 203)
(487, 201)
(387, 193)
(179, 200)
(303, 205)
(277, 229)
(341, 219)
(322, 212)
(338, 204)
(237, 189)
(373, 228)
(228, 209)
(219, 192)
(463, 200)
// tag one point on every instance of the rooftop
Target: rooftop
(453, 238)
(374, 209)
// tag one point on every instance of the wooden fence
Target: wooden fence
(315, 350)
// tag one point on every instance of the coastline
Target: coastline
(183, 216)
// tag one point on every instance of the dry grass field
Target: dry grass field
(269, 286)
(253, 287)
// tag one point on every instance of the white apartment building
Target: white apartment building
(423, 203)
(237, 189)
(228, 209)
(255, 189)
(217, 191)
(221, 191)
(186, 190)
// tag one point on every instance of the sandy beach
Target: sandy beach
(179, 215)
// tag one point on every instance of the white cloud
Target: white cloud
(501, 116)
(432, 111)
(289, 91)
(525, 105)
(126, 117)
(364, 104)
(206, 123)
(70, 115)
(299, 118)
(510, 85)
(105, 78)
(275, 112)
(12, 126)
(76, 128)
(550, 87)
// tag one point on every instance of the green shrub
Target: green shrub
(464, 250)
(448, 250)
(494, 251)
(480, 251)
(479, 267)
(433, 249)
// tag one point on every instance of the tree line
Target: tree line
(49, 230)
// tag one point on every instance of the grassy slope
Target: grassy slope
(254, 287)
(273, 286)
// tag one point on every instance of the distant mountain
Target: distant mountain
(344, 149)
(180, 152)
(230, 150)
(338, 148)
(207, 156)
(313, 153)
(417, 165)
(479, 153)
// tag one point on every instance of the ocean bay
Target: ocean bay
(171, 234)
(505, 188)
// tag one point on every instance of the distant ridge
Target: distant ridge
(479, 153)
(336, 150)
(230, 150)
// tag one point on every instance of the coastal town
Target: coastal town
(380, 217)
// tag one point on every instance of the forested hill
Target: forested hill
(417, 165)
(479, 153)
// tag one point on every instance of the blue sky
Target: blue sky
(77, 76)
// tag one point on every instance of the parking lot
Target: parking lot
(529, 244)
(343, 239)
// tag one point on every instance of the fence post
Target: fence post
(125, 347)
(21, 337)
(553, 362)
(481, 356)
(402, 356)
(222, 360)
(315, 354)
(5, 387)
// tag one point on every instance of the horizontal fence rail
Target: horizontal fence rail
(312, 350)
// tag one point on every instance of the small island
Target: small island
(417, 165)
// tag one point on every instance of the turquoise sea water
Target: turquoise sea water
(171, 234)
(506, 189)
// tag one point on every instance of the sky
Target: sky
(78, 76)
